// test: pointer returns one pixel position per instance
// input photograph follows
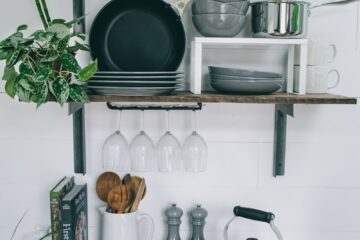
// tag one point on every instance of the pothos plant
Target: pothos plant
(43, 66)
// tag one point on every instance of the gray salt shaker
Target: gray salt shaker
(174, 215)
(198, 216)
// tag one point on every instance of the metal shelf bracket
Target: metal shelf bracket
(165, 107)
(281, 113)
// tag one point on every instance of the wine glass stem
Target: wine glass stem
(142, 120)
(119, 121)
(195, 124)
(168, 121)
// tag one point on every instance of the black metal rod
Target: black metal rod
(79, 116)
(279, 142)
(79, 141)
(196, 107)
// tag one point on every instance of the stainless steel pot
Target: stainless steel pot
(282, 19)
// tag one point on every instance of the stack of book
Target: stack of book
(68, 208)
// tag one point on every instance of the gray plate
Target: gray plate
(133, 83)
(242, 72)
(139, 78)
(233, 78)
(139, 73)
(247, 87)
(132, 91)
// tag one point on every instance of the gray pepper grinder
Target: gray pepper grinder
(198, 216)
(174, 215)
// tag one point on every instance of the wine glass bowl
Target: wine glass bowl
(195, 151)
(142, 153)
(115, 152)
(169, 153)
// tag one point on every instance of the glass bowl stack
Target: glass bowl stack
(219, 18)
(242, 81)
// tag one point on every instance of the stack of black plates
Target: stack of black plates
(135, 83)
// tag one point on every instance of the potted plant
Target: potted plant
(43, 66)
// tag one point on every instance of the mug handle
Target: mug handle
(148, 218)
(334, 50)
(337, 82)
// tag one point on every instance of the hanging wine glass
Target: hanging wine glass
(142, 151)
(195, 151)
(115, 152)
(169, 151)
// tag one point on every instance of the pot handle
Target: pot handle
(180, 6)
(254, 214)
(334, 3)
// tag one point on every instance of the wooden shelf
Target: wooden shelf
(213, 97)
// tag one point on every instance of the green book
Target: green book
(56, 195)
(74, 214)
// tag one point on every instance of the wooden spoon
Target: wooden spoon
(129, 188)
(105, 183)
(135, 183)
(118, 198)
(139, 195)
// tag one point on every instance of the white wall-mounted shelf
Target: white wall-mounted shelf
(299, 87)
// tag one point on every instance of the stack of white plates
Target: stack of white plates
(232, 80)
(135, 83)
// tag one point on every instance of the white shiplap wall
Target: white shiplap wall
(317, 199)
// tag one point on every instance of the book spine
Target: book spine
(67, 225)
(55, 215)
(55, 205)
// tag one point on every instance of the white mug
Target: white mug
(318, 78)
(126, 226)
(319, 53)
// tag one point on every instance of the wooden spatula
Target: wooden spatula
(139, 195)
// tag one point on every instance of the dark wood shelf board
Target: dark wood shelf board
(213, 97)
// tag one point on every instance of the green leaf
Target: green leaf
(22, 28)
(61, 21)
(43, 74)
(9, 74)
(42, 95)
(70, 63)
(43, 36)
(14, 58)
(81, 36)
(5, 53)
(60, 30)
(69, 24)
(25, 68)
(78, 94)
(60, 89)
(88, 72)
(10, 88)
(77, 47)
(23, 94)
(49, 59)
(64, 42)
(27, 84)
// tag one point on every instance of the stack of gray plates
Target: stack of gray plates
(232, 80)
(135, 83)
